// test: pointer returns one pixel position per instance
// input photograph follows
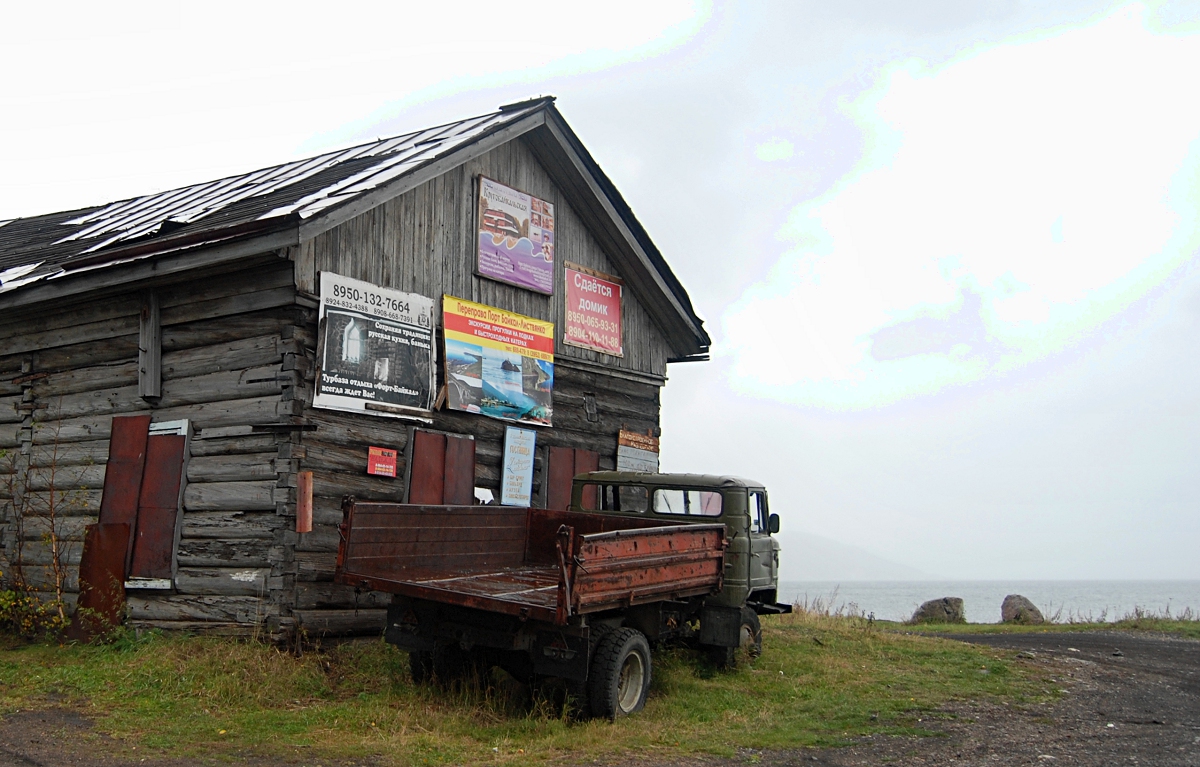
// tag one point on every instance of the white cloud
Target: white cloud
(103, 101)
(1033, 189)
(774, 149)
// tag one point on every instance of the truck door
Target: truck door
(763, 559)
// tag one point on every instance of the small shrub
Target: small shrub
(26, 616)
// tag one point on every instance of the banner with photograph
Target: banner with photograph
(378, 349)
(498, 363)
(516, 237)
(593, 310)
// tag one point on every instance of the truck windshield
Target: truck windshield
(700, 503)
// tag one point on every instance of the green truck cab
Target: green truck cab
(751, 581)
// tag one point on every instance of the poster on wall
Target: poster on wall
(378, 349)
(498, 363)
(516, 484)
(637, 452)
(516, 237)
(593, 310)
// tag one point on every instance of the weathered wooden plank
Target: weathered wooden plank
(203, 415)
(102, 310)
(10, 435)
(335, 485)
(66, 478)
(230, 355)
(324, 596)
(233, 355)
(207, 628)
(341, 622)
(231, 524)
(214, 387)
(79, 333)
(349, 429)
(112, 350)
(237, 304)
(42, 553)
(224, 552)
(42, 578)
(312, 566)
(231, 328)
(273, 274)
(94, 453)
(322, 538)
(233, 496)
(223, 581)
(69, 503)
(37, 528)
(232, 468)
(250, 443)
(10, 409)
(233, 609)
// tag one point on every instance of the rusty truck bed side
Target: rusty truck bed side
(534, 563)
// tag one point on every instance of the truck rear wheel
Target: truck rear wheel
(620, 674)
(749, 643)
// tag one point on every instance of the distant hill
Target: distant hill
(810, 557)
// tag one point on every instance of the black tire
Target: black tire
(749, 647)
(620, 674)
(450, 664)
(420, 665)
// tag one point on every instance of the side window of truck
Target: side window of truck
(615, 498)
(758, 512)
(698, 503)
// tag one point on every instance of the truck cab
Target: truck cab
(751, 576)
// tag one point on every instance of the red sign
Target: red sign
(593, 311)
(381, 461)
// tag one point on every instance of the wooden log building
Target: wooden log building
(201, 304)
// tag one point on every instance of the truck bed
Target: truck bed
(534, 563)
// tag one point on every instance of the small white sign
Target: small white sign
(516, 484)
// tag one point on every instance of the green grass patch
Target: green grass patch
(821, 681)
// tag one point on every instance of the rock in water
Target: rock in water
(1018, 609)
(944, 610)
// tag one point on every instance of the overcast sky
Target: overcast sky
(948, 252)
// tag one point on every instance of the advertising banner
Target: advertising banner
(516, 484)
(593, 310)
(378, 349)
(498, 363)
(637, 452)
(516, 237)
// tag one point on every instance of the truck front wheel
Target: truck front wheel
(620, 674)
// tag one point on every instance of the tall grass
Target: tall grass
(824, 679)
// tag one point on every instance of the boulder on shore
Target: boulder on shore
(944, 610)
(1018, 609)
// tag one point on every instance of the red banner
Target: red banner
(593, 312)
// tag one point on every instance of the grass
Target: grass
(822, 681)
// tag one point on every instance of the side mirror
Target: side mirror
(773, 523)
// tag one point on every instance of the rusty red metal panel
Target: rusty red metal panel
(123, 473)
(426, 480)
(587, 460)
(459, 480)
(101, 581)
(158, 508)
(304, 502)
(560, 473)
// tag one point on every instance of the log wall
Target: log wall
(229, 365)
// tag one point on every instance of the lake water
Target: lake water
(1069, 600)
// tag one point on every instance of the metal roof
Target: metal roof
(282, 198)
(302, 188)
